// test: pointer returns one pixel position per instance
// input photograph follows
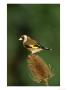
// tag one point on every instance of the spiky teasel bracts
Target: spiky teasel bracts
(41, 72)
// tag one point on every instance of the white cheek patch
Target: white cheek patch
(25, 38)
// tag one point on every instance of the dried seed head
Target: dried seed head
(39, 69)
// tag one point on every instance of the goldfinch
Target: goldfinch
(31, 44)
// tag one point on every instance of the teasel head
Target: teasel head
(40, 71)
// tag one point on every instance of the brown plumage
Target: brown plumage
(32, 45)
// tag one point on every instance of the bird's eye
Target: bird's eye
(22, 37)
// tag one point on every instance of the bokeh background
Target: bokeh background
(41, 22)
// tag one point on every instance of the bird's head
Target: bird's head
(23, 38)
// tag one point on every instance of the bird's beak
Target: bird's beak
(20, 39)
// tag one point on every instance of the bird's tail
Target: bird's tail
(45, 48)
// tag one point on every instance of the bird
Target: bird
(32, 45)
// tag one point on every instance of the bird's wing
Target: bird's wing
(31, 43)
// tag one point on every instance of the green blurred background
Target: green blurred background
(41, 22)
